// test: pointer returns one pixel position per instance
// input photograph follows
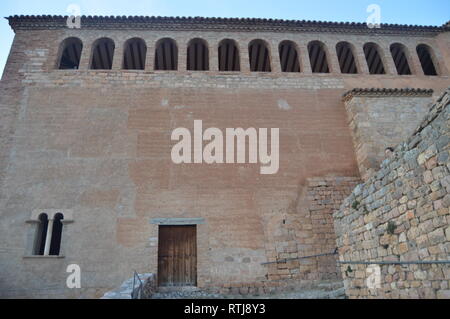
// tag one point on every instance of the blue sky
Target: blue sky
(422, 12)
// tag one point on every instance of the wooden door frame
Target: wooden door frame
(195, 230)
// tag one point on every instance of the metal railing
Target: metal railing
(136, 292)
(414, 262)
(285, 260)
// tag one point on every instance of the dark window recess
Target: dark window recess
(229, 56)
(41, 235)
(134, 54)
(318, 57)
(424, 53)
(71, 54)
(289, 57)
(55, 243)
(102, 55)
(197, 56)
(373, 58)
(400, 59)
(166, 55)
(259, 56)
(346, 58)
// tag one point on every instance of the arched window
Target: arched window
(346, 58)
(198, 55)
(41, 235)
(134, 54)
(398, 52)
(70, 54)
(426, 59)
(373, 58)
(55, 243)
(102, 54)
(318, 57)
(289, 57)
(166, 55)
(229, 56)
(259, 56)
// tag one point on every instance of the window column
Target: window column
(85, 58)
(416, 66)
(387, 59)
(150, 57)
(274, 57)
(182, 56)
(360, 59)
(48, 238)
(305, 63)
(245, 59)
(213, 56)
(118, 55)
(332, 56)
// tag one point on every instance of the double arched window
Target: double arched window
(48, 235)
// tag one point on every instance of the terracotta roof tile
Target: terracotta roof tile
(386, 92)
(203, 23)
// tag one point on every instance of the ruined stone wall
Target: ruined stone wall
(307, 230)
(402, 214)
(300, 242)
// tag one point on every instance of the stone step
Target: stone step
(322, 290)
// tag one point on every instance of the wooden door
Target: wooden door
(177, 256)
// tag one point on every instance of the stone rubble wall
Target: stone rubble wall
(305, 230)
(308, 231)
(402, 214)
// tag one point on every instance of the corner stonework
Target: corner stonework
(374, 117)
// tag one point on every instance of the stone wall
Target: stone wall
(307, 230)
(401, 214)
(374, 117)
(296, 237)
